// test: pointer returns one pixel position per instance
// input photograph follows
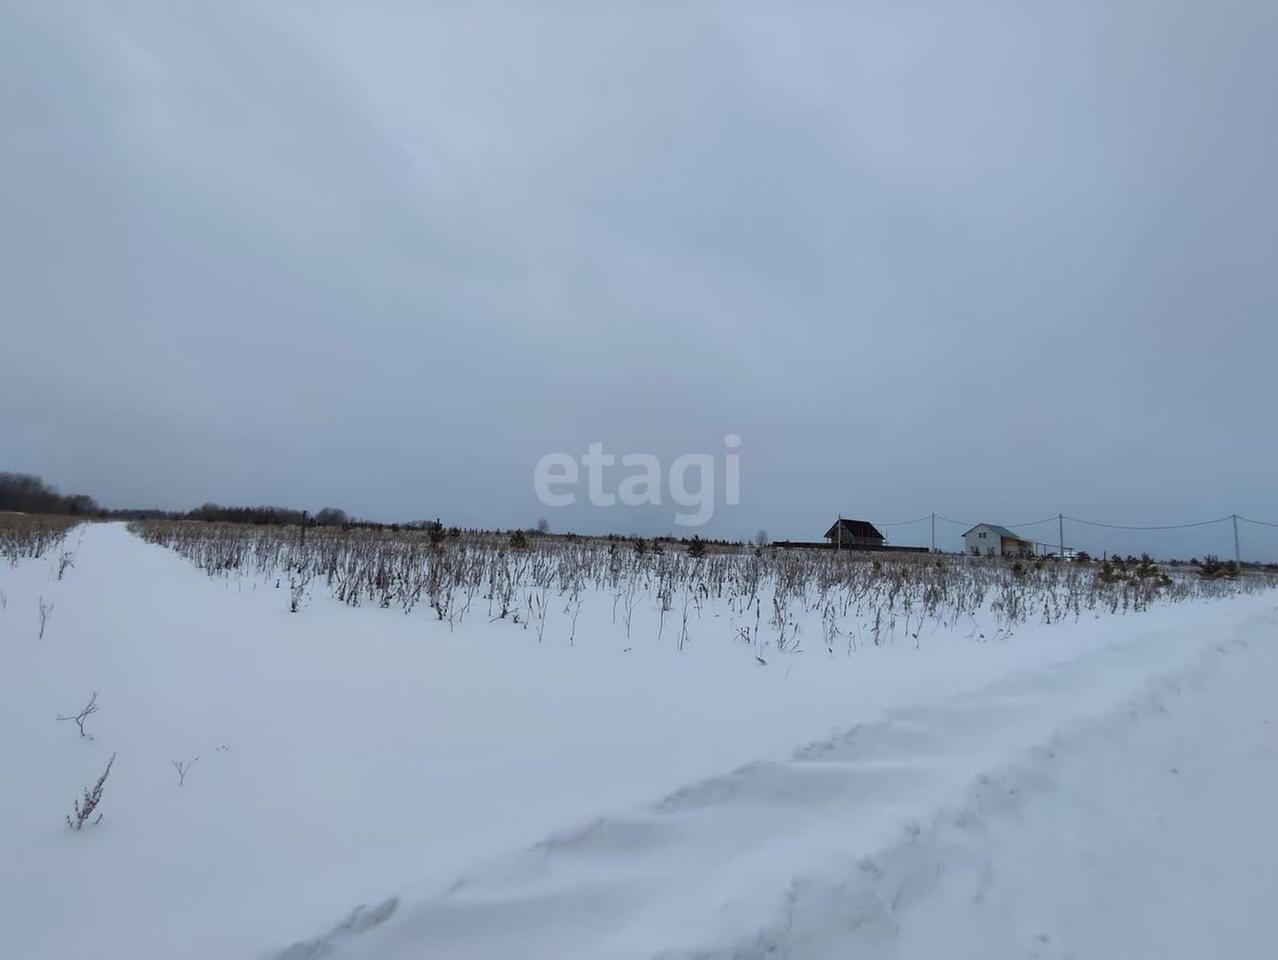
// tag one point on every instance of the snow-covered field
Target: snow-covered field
(1098, 786)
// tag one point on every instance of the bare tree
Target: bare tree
(182, 766)
(543, 525)
(761, 538)
(84, 807)
(87, 711)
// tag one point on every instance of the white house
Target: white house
(991, 540)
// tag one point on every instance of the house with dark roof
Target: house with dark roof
(991, 540)
(854, 535)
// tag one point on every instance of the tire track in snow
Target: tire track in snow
(806, 857)
(1065, 852)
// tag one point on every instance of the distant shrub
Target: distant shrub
(330, 517)
(1213, 568)
(1132, 571)
(519, 540)
(1149, 571)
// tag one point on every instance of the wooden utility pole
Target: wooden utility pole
(934, 533)
(838, 534)
(1060, 520)
(1237, 554)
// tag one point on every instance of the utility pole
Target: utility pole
(838, 534)
(934, 533)
(1060, 520)
(1237, 554)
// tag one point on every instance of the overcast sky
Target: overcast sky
(996, 260)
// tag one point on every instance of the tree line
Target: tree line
(26, 493)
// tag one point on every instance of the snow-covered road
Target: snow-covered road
(489, 796)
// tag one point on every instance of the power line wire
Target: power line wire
(1027, 523)
(1166, 526)
(1035, 523)
(906, 523)
(1263, 523)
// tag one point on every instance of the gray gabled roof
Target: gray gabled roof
(1001, 531)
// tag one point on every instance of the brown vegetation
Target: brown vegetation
(856, 598)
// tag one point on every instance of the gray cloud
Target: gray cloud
(1000, 261)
